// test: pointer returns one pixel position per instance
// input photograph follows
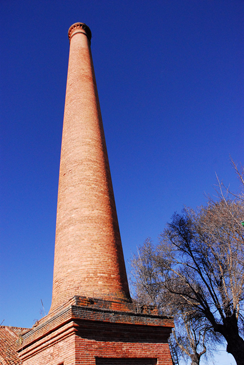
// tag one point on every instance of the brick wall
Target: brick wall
(88, 251)
(61, 352)
(89, 333)
(101, 353)
(76, 350)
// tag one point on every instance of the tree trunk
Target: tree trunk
(230, 331)
(235, 346)
(195, 359)
(235, 343)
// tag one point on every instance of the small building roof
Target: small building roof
(8, 344)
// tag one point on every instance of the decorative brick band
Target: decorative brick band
(94, 320)
(79, 28)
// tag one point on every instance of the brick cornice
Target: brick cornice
(68, 319)
(79, 28)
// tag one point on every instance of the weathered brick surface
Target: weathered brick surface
(55, 351)
(90, 311)
(88, 252)
(88, 351)
(87, 333)
(77, 350)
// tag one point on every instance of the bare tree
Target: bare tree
(188, 339)
(198, 266)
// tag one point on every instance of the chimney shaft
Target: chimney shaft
(88, 251)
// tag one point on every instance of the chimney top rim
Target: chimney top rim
(79, 28)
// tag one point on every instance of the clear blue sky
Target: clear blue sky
(170, 79)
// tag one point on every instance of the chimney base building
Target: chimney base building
(92, 331)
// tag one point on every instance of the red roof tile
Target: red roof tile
(8, 345)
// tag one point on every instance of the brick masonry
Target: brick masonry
(91, 331)
(92, 319)
(88, 251)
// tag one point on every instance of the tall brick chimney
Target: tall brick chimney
(92, 319)
(88, 252)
